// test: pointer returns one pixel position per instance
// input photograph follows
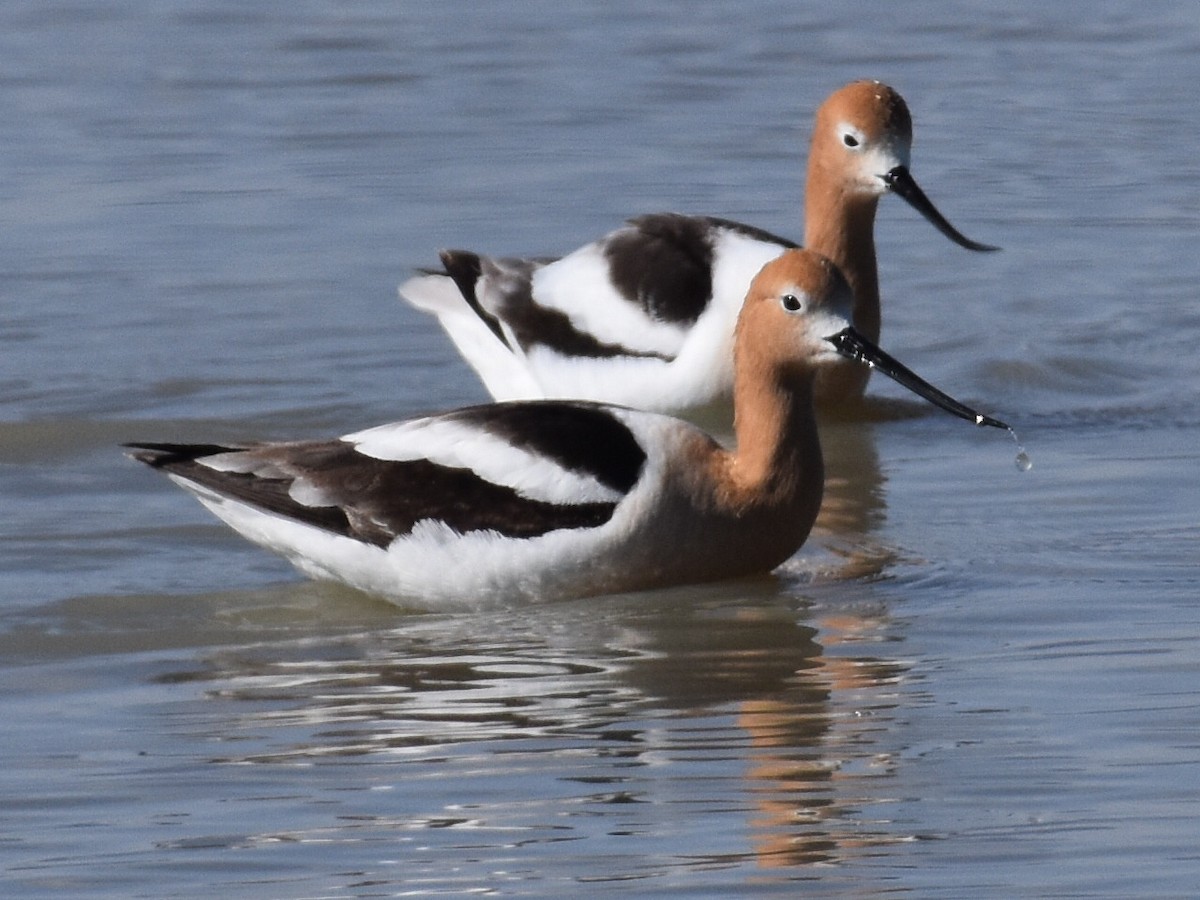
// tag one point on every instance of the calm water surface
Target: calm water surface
(972, 681)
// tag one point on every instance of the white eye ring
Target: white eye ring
(852, 138)
(791, 303)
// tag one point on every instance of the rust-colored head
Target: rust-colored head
(861, 145)
(863, 131)
(795, 304)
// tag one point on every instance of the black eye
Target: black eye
(849, 140)
(791, 302)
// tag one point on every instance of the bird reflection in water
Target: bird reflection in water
(626, 699)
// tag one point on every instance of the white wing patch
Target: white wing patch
(737, 258)
(459, 445)
(308, 494)
(240, 462)
(701, 372)
(580, 286)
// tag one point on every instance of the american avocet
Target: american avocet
(644, 316)
(559, 498)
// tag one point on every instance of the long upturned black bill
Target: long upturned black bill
(850, 343)
(902, 183)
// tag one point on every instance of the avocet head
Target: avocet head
(795, 304)
(863, 132)
(863, 143)
(797, 318)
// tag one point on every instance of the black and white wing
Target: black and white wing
(642, 317)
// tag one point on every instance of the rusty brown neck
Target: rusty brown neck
(840, 225)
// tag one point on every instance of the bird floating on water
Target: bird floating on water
(645, 315)
(551, 499)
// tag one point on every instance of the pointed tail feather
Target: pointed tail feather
(166, 455)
